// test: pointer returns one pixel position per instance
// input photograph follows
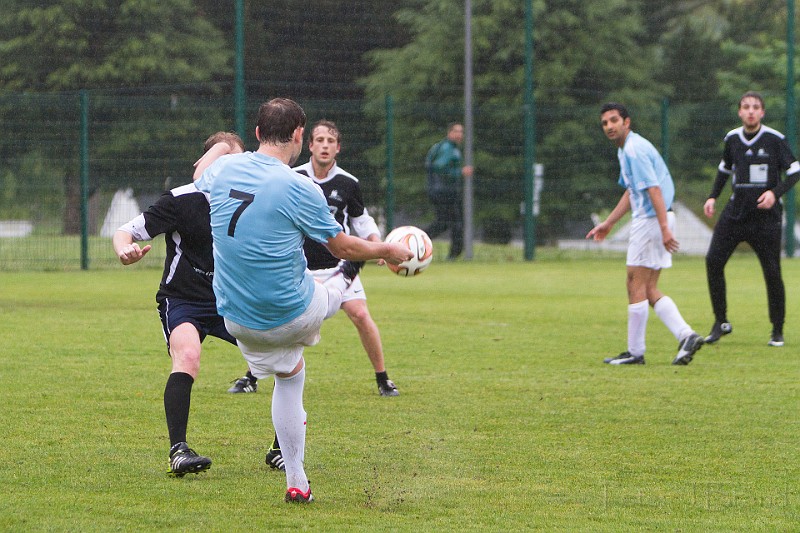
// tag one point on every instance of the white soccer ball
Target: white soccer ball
(419, 243)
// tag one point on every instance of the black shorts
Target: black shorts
(203, 316)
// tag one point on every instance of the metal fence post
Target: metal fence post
(239, 91)
(791, 124)
(84, 164)
(665, 130)
(530, 137)
(389, 163)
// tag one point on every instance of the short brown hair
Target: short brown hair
(752, 94)
(278, 119)
(223, 137)
(332, 128)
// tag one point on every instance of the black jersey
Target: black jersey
(344, 198)
(756, 165)
(182, 215)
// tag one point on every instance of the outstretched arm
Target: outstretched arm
(346, 246)
(600, 231)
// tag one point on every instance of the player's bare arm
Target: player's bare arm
(346, 246)
(374, 237)
(657, 199)
(601, 231)
(214, 153)
(126, 249)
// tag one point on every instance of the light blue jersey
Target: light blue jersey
(642, 167)
(261, 211)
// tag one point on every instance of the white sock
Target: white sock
(668, 312)
(637, 327)
(289, 419)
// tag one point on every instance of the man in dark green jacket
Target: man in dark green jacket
(445, 187)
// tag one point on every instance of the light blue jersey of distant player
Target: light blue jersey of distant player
(261, 211)
(642, 167)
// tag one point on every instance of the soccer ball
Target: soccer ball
(419, 243)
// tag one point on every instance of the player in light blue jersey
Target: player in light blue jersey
(261, 212)
(649, 192)
(642, 167)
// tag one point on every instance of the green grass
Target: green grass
(507, 419)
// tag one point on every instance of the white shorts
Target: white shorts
(646, 245)
(353, 292)
(278, 350)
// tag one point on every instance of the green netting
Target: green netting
(143, 142)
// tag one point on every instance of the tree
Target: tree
(578, 65)
(76, 44)
(712, 52)
(755, 52)
(314, 52)
(104, 45)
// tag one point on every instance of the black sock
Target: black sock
(177, 397)
(382, 377)
(275, 444)
(251, 377)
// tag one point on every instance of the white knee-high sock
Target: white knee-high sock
(637, 327)
(289, 419)
(668, 312)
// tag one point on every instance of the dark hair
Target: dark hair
(752, 94)
(223, 137)
(278, 119)
(452, 125)
(324, 123)
(611, 106)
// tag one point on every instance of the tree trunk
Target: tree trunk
(72, 209)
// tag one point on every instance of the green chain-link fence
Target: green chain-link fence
(140, 143)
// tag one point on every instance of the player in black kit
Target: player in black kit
(344, 197)
(755, 155)
(186, 301)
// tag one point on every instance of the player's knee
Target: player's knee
(359, 316)
(186, 356)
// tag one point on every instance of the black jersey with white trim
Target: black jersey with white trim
(182, 215)
(346, 203)
(756, 165)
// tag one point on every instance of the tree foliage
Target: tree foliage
(698, 55)
(76, 44)
(577, 65)
(105, 44)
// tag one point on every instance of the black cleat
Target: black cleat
(776, 339)
(717, 331)
(183, 460)
(388, 388)
(625, 358)
(687, 348)
(274, 459)
(244, 384)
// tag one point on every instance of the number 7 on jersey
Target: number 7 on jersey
(246, 199)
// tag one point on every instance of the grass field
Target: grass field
(507, 419)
